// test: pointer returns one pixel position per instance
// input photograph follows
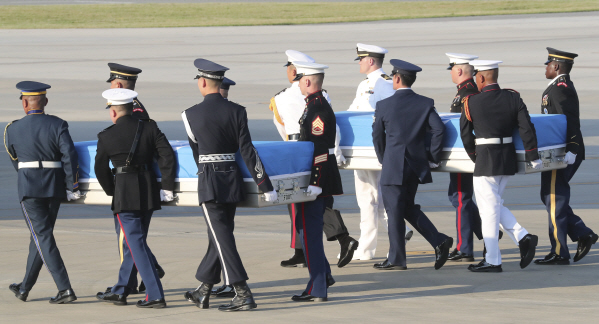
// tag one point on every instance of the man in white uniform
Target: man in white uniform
(375, 87)
(288, 107)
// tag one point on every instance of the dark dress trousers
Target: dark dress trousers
(135, 194)
(399, 134)
(560, 97)
(317, 125)
(41, 137)
(217, 129)
(461, 191)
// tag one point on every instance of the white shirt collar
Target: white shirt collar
(375, 74)
(554, 79)
(404, 89)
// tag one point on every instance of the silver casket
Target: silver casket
(288, 165)
(356, 143)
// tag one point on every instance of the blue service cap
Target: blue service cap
(209, 70)
(403, 67)
(119, 71)
(227, 83)
(32, 88)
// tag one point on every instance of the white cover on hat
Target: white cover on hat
(309, 68)
(371, 48)
(484, 65)
(458, 58)
(119, 96)
(296, 56)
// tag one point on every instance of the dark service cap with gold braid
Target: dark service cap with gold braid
(209, 70)
(560, 56)
(119, 71)
(32, 88)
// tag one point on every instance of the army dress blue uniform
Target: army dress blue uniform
(399, 137)
(560, 97)
(461, 191)
(135, 191)
(43, 153)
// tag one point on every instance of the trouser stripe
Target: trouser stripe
(459, 245)
(220, 253)
(293, 238)
(557, 242)
(37, 244)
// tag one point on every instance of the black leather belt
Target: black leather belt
(293, 137)
(130, 169)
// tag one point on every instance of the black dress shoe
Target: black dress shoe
(243, 300)
(298, 260)
(442, 252)
(223, 291)
(385, 265)
(348, 247)
(528, 245)
(200, 296)
(305, 297)
(119, 300)
(584, 245)
(330, 280)
(483, 266)
(456, 255)
(157, 303)
(409, 235)
(552, 259)
(64, 297)
(133, 291)
(16, 288)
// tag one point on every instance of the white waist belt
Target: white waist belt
(504, 140)
(212, 158)
(332, 151)
(44, 164)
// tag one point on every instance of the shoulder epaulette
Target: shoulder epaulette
(278, 93)
(6, 146)
(467, 107)
(105, 129)
(511, 90)
(386, 77)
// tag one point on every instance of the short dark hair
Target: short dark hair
(128, 84)
(378, 60)
(407, 79)
(126, 108)
(214, 83)
(564, 67)
(36, 102)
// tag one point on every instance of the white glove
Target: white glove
(433, 165)
(570, 158)
(166, 195)
(270, 196)
(73, 195)
(536, 164)
(340, 159)
(313, 191)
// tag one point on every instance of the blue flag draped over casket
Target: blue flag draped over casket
(288, 164)
(356, 142)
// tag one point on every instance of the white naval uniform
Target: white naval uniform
(368, 194)
(488, 191)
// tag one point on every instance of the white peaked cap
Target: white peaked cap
(484, 65)
(457, 58)
(297, 56)
(308, 68)
(371, 49)
(119, 96)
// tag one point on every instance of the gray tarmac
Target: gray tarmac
(74, 63)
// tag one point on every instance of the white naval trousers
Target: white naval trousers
(488, 192)
(372, 211)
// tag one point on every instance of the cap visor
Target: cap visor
(449, 67)
(110, 79)
(288, 64)
(108, 106)
(298, 77)
(547, 62)
(357, 58)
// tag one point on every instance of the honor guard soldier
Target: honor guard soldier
(377, 86)
(217, 129)
(288, 106)
(42, 152)
(125, 77)
(131, 145)
(399, 130)
(224, 87)
(317, 125)
(560, 97)
(492, 115)
(461, 192)
(122, 76)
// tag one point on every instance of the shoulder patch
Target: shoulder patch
(386, 77)
(317, 126)
(562, 84)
